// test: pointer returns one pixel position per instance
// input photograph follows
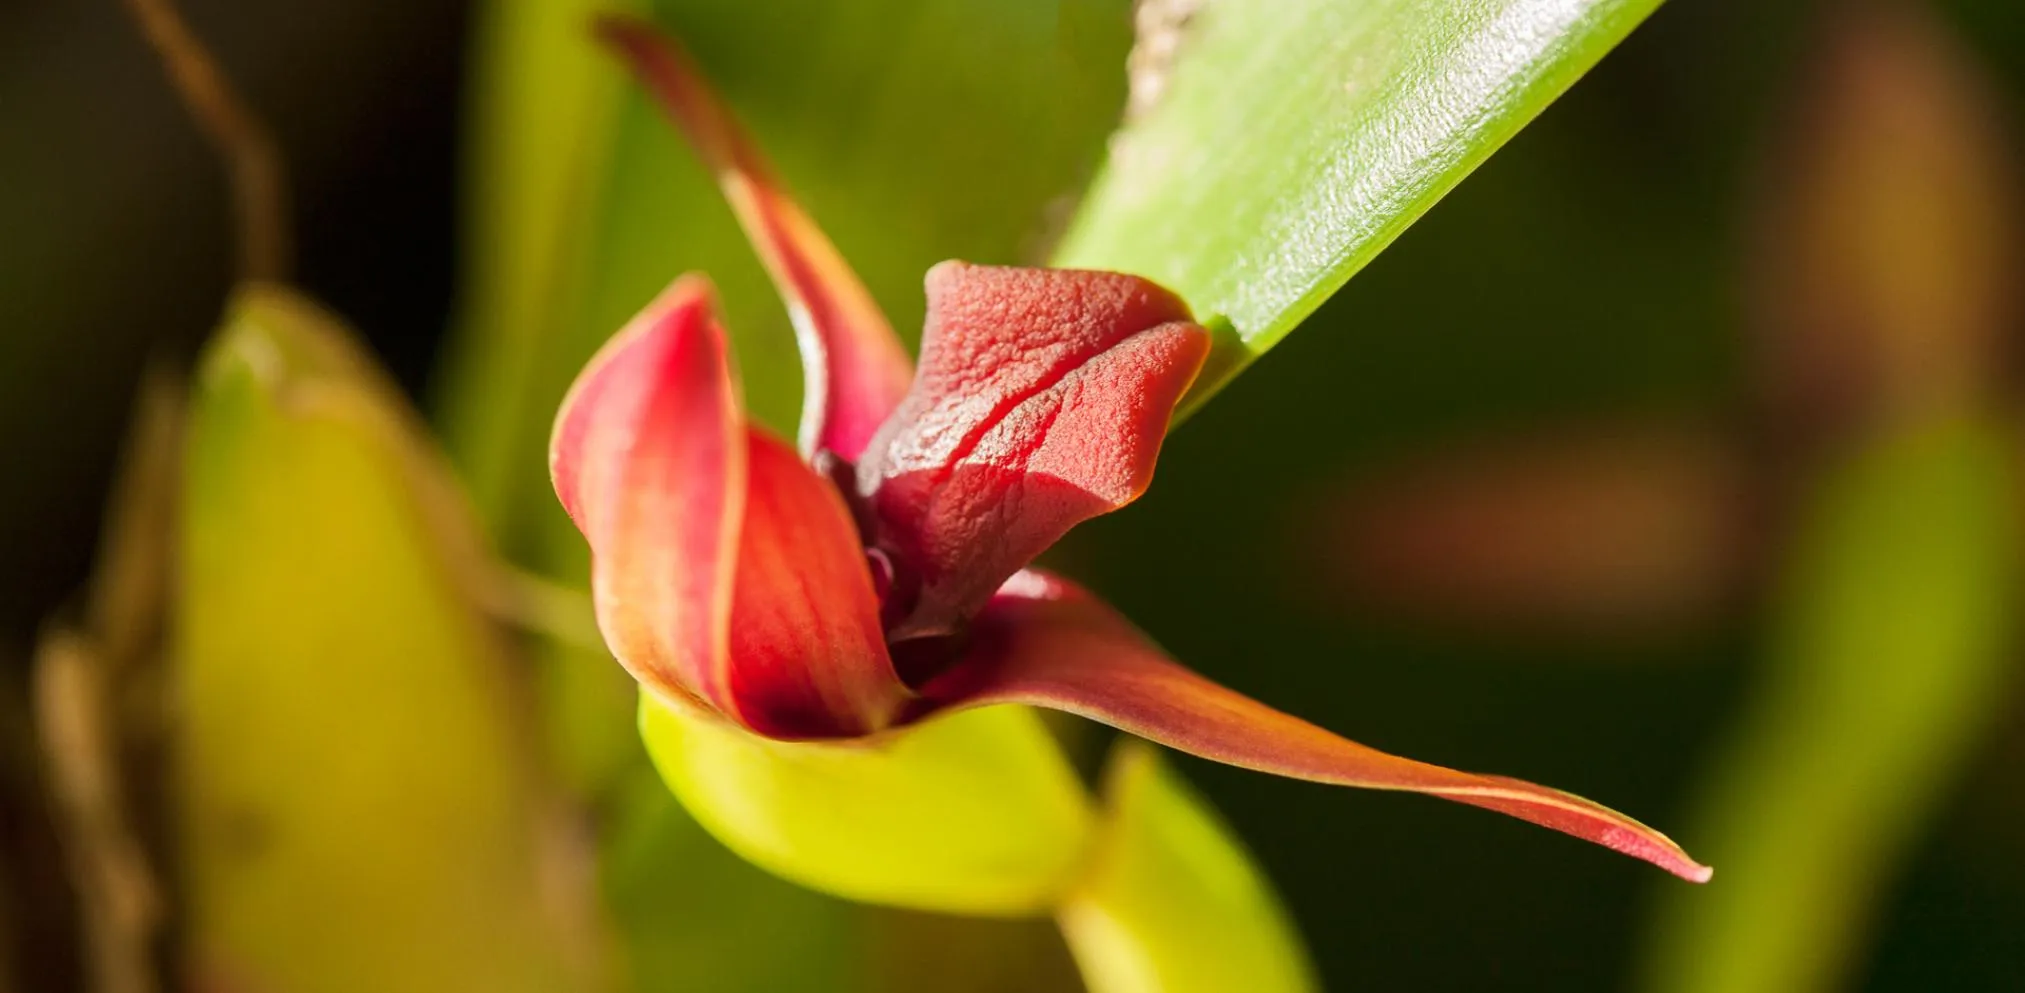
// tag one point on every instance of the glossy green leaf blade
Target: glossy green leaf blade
(974, 813)
(1171, 902)
(1889, 665)
(1287, 143)
(356, 806)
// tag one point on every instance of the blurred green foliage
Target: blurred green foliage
(1166, 879)
(1888, 663)
(356, 800)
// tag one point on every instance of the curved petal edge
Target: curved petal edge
(649, 458)
(855, 368)
(1046, 643)
(807, 652)
(1043, 400)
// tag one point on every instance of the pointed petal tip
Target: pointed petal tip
(1044, 642)
(856, 369)
(648, 458)
(684, 309)
(1560, 811)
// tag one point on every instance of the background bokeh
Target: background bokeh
(1600, 283)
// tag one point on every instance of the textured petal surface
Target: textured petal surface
(807, 654)
(1047, 643)
(855, 369)
(1043, 398)
(649, 458)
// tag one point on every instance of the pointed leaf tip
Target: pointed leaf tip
(855, 369)
(1046, 643)
(1171, 902)
(1043, 399)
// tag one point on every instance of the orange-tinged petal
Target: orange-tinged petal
(1046, 643)
(855, 369)
(1043, 399)
(649, 458)
(807, 652)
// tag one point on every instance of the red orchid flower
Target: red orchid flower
(881, 577)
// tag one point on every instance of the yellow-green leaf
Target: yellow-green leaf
(1172, 902)
(542, 110)
(976, 812)
(356, 809)
(1890, 663)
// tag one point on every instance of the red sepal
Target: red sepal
(648, 457)
(723, 569)
(854, 368)
(1045, 643)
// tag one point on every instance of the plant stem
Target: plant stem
(252, 162)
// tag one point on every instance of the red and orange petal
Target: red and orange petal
(1042, 401)
(855, 368)
(1046, 643)
(808, 654)
(722, 568)
(649, 458)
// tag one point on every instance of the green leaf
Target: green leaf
(977, 812)
(693, 916)
(356, 805)
(1889, 666)
(542, 109)
(1287, 143)
(1172, 903)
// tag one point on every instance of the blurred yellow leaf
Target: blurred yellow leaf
(1889, 667)
(357, 808)
(1172, 902)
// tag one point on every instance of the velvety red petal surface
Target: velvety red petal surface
(807, 652)
(1042, 401)
(855, 369)
(1044, 642)
(649, 458)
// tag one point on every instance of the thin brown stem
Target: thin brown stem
(252, 162)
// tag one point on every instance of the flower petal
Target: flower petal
(649, 458)
(807, 652)
(1046, 643)
(855, 369)
(1043, 398)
